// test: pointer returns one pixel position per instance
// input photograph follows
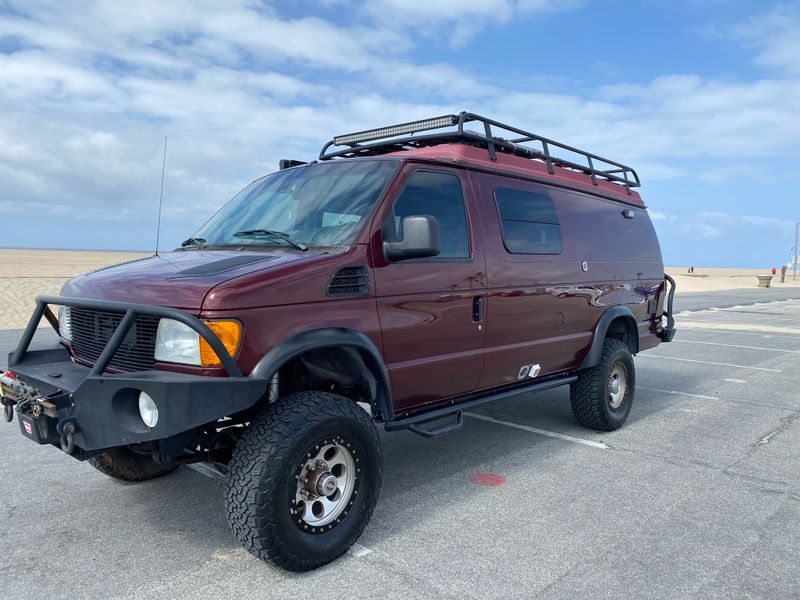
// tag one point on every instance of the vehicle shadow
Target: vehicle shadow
(421, 476)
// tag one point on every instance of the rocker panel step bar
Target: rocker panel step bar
(417, 423)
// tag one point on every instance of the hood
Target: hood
(176, 279)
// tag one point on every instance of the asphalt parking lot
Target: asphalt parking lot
(697, 496)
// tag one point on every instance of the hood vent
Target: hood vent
(221, 266)
(349, 281)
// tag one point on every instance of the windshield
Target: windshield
(317, 205)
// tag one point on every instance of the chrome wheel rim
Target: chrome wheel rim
(325, 489)
(617, 386)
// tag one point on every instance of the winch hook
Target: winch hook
(68, 438)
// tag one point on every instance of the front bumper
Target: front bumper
(104, 410)
(62, 402)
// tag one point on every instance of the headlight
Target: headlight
(179, 343)
(64, 323)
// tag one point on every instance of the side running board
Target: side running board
(419, 423)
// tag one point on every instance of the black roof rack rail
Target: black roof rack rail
(595, 166)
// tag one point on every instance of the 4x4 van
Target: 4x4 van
(410, 273)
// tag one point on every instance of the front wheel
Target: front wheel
(603, 395)
(304, 480)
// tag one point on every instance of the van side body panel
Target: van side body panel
(543, 308)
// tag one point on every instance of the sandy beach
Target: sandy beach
(27, 273)
(706, 279)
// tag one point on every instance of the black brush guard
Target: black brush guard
(64, 403)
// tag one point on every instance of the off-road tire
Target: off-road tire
(125, 464)
(262, 479)
(589, 395)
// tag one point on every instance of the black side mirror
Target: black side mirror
(420, 239)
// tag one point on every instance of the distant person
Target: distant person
(774, 271)
(783, 273)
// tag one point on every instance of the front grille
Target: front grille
(92, 329)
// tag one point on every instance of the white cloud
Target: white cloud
(776, 36)
(86, 97)
(460, 20)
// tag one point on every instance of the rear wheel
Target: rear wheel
(603, 395)
(304, 480)
(130, 463)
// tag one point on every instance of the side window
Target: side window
(529, 222)
(440, 196)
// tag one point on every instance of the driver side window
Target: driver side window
(440, 196)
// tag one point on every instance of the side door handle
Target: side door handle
(477, 309)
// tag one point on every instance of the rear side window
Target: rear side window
(440, 196)
(529, 222)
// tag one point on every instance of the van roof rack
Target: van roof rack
(593, 165)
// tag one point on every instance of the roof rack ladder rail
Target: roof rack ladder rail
(114, 343)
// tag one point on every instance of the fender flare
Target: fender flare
(592, 358)
(328, 337)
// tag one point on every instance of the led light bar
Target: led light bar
(393, 130)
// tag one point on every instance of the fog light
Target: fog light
(148, 410)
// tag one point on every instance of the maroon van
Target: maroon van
(410, 273)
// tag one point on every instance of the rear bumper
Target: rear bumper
(103, 410)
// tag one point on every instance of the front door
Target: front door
(430, 309)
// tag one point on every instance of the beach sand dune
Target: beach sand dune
(27, 273)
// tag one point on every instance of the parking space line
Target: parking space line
(738, 346)
(358, 550)
(732, 380)
(679, 393)
(749, 328)
(739, 332)
(706, 362)
(553, 434)
(206, 470)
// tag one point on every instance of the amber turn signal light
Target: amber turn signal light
(229, 333)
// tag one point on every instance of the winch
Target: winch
(46, 419)
(12, 392)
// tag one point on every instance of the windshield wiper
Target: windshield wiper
(279, 234)
(193, 241)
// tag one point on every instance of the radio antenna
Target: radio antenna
(161, 194)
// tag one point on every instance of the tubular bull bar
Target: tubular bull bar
(58, 401)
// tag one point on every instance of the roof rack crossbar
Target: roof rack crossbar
(366, 143)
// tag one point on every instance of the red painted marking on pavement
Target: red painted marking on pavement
(487, 479)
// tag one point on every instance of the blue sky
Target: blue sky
(700, 96)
